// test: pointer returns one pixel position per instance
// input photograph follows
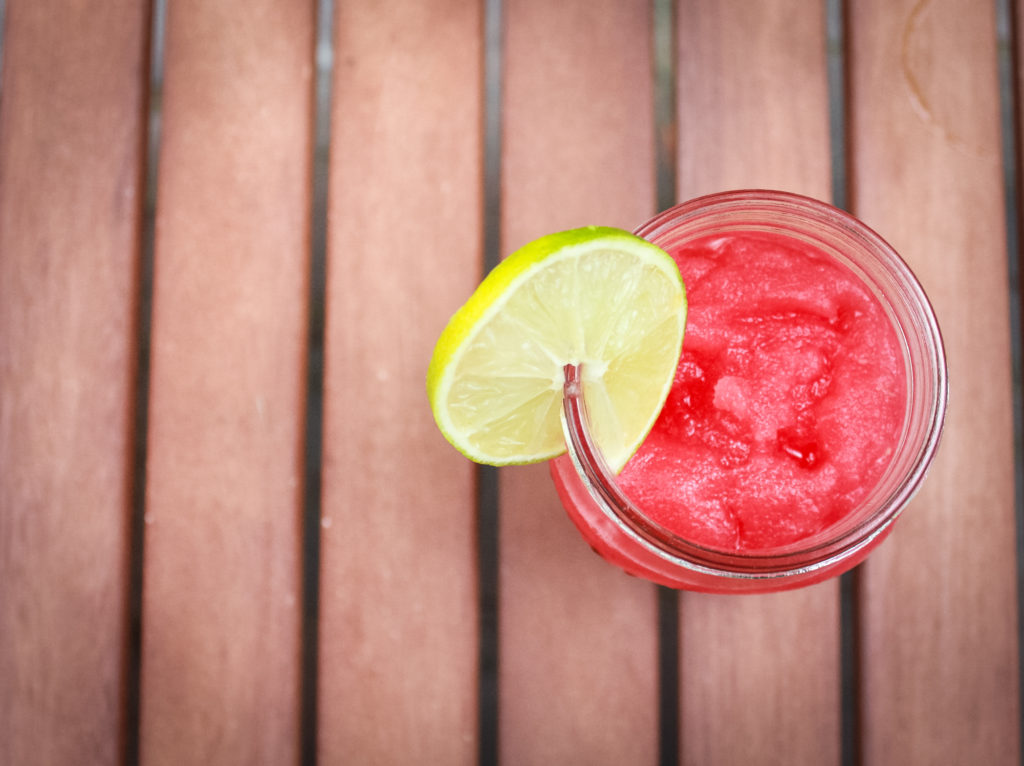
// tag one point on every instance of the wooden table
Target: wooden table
(230, 232)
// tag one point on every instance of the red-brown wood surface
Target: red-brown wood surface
(399, 619)
(940, 616)
(398, 634)
(578, 665)
(71, 136)
(221, 611)
(760, 674)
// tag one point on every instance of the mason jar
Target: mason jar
(619, 530)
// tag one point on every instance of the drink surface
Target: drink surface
(787, 404)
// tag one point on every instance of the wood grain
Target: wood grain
(398, 635)
(760, 674)
(71, 135)
(220, 677)
(939, 602)
(578, 667)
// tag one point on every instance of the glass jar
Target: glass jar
(620, 531)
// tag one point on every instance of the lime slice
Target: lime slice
(596, 296)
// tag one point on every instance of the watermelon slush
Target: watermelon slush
(789, 407)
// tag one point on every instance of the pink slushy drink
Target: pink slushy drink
(806, 405)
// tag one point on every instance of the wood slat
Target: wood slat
(939, 601)
(221, 629)
(71, 135)
(760, 674)
(578, 666)
(398, 636)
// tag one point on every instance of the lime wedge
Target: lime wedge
(596, 296)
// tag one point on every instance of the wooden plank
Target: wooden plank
(578, 668)
(398, 634)
(760, 674)
(220, 676)
(71, 134)
(940, 613)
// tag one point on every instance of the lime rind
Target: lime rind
(495, 379)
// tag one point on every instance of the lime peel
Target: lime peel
(597, 296)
